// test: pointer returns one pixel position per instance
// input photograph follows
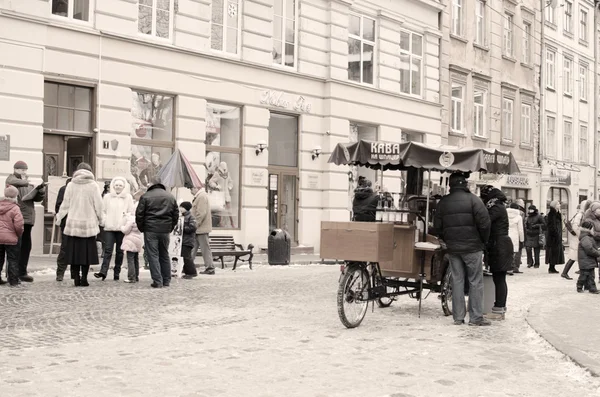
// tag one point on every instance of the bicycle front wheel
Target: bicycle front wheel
(351, 297)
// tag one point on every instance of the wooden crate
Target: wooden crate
(406, 262)
(357, 241)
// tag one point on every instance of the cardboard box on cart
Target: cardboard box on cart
(357, 241)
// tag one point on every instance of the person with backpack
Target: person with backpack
(534, 228)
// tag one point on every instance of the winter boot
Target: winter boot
(579, 287)
(565, 273)
(498, 313)
(552, 270)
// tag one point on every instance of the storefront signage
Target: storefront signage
(517, 180)
(257, 177)
(557, 177)
(385, 151)
(446, 159)
(313, 181)
(5, 148)
(114, 168)
(278, 99)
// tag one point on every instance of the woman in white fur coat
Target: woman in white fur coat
(116, 204)
(83, 204)
(516, 233)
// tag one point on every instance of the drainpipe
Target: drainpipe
(596, 93)
(542, 120)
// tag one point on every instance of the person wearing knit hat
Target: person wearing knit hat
(587, 256)
(11, 228)
(555, 253)
(188, 241)
(573, 228)
(534, 227)
(593, 215)
(27, 197)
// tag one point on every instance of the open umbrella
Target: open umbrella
(178, 172)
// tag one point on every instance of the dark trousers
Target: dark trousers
(61, 263)
(157, 248)
(12, 255)
(189, 268)
(25, 243)
(133, 266)
(586, 280)
(501, 288)
(110, 239)
(531, 261)
(517, 260)
(84, 269)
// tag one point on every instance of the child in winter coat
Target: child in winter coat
(587, 257)
(132, 245)
(189, 238)
(11, 228)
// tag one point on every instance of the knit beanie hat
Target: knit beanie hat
(186, 205)
(20, 165)
(595, 205)
(11, 192)
(84, 166)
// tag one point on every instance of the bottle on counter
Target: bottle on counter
(379, 211)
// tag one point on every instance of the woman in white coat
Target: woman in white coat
(116, 204)
(516, 234)
(574, 238)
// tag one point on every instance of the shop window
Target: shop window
(284, 32)
(283, 140)
(67, 108)
(155, 17)
(361, 48)
(225, 25)
(223, 161)
(78, 10)
(151, 135)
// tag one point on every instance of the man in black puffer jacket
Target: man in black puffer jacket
(156, 216)
(364, 204)
(463, 223)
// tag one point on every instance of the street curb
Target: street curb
(535, 321)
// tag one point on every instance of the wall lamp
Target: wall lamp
(260, 146)
(316, 152)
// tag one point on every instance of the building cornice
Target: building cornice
(525, 91)
(457, 68)
(430, 4)
(391, 16)
(509, 86)
(481, 76)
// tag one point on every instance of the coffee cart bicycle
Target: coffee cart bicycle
(397, 255)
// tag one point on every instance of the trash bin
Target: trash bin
(279, 249)
(489, 293)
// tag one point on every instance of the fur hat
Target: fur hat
(186, 205)
(520, 203)
(84, 166)
(594, 206)
(11, 192)
(20, 165)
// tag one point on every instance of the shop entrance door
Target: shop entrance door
(283, 201)
(62, 155)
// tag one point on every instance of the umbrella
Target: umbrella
(178, 172)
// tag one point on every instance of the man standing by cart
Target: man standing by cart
(463, 224)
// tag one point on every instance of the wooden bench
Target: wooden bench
(222, 246)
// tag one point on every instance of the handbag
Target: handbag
(569, 225)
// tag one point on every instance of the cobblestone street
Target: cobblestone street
(273, 331)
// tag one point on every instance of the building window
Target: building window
(526, 124)
(568, 17)
(223, 160)
(457, 16)
(583, 25)
(507, 119)
(568, 77)
(550, 15)
(225, 25)
(568, 141)
(361, 48)
(479, 113)
(151, 134)
(411, 62)
(369, 133)
(551, 135)
(67, 108)
(550, 69)
(508, 35)
(155, 17)
(526, 43)
(284, 32)
(480, 24)
(458, 92)
(583, 144)
(78, 10)
(583, 88)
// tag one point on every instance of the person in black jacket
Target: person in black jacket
(534, 226)
(156, 216)
(189, 240)
(463, 224)
(61, 265)
(364, 203)
(587, 257)
(555, 251)
(499, 249)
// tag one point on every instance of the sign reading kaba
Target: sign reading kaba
(385, 151)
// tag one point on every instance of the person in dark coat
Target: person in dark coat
(364, 204)
(499, 249)
(534, 226)
(188, 241)
(156, 216)
(463, 225)
(555, 252)
(61, 264)
(587, 257)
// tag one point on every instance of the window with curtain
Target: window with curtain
(155, 18)
(225, 25)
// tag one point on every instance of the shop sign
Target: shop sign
(313, 181)
(5, 148)
(257, 177)
(114, 168)
(278, 99)
(385, 151)
(557, 177)
(517, 180)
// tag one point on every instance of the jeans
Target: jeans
(133, 266)
(61, 264)
(501, 288)
(25, 243)
(110, 239)
(157, 248)
(189, 268)
(472, 264)
(530, 258)
(12, 259)
(202, 243)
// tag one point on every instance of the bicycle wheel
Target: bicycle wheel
(386, 301)
(352, 290)
(446, 293)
